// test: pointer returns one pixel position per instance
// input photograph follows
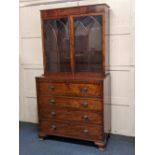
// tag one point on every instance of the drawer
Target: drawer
(80, 131)
(71, 115)
(70, 89)
(76, 103)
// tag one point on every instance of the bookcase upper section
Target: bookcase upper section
(75, 39)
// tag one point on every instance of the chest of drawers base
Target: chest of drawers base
(73, 109)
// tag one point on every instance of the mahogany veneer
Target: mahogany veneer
(74, 88)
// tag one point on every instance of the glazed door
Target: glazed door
(56, 45)
(88, 43)
(73, 44)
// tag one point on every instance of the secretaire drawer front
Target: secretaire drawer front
(75, 103)
(90, 90)
(70, 115)
(72, 129)
(46, 88)
(70, 89)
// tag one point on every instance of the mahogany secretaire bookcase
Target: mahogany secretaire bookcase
(74, 89)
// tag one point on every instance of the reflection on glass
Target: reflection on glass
(88, 46)
(56, 42)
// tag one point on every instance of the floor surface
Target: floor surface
(30, 144)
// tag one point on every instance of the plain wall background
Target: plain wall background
(121, 58)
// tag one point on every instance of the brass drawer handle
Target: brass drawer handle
(85, 104)
(85, 117)
(53, 113)
(83, 90)
(53, 127)
(51, 88)
(52, 101)
(85, 130)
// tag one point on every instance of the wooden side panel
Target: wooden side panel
(107, 104)
(105, 40)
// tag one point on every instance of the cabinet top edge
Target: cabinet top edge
(74, 10)
(80, 6)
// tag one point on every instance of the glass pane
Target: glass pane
(88, 43)
(56, 42)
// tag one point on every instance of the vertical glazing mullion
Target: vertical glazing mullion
(71, 43)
